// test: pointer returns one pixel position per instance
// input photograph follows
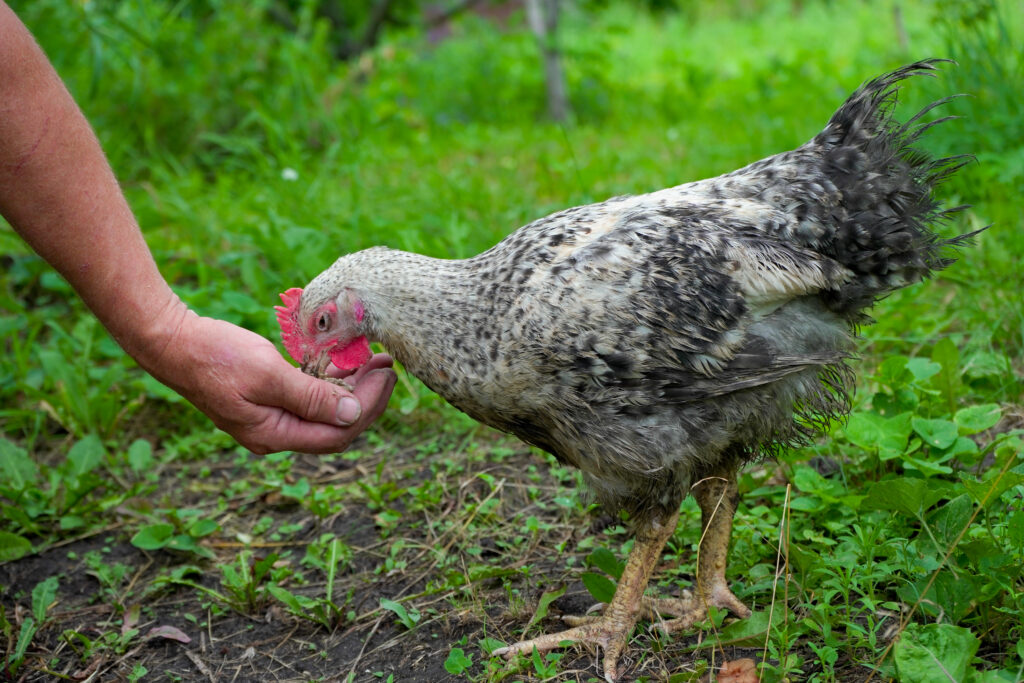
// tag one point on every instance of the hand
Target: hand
(249, 390)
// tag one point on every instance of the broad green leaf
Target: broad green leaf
(202, 527)
(605, 560)
(140, 456)
(892, 372)
(43, 596)
(600, 587)
(974, 419)
(70, 522)
(934, 652)
(994, 676)
(298, 490)
(926, 467)
(187, 544)
(808, 480)
(13, 546)
(1015, 529)
(887, 435)
(923, 369)
(948, 380)
(287, 597)
(963, 446)
(949, 520)
(806, 503)
(543, 604)
(745, 632)
(17, 469)
(28, 631)
(985, 553)
(936, 433)
(987, 364)
(912, 496)
(951, 596)
(153, 536)
(408, 618)
(457, 661)
(489, 645)
(85, 456)
(986, 491)
(898, 401)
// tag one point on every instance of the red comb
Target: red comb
(287, 318)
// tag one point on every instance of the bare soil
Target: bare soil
(267, 643)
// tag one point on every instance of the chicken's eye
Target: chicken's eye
(323, 322)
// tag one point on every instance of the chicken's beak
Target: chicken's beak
(316, 364)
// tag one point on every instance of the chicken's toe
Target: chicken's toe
(610, 634)
(339, 381)
(691, 609)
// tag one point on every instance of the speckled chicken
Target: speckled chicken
(658, 342)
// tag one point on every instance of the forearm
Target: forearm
(58, 192)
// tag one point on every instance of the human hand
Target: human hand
(249, 390)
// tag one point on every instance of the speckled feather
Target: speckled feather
(648, 339)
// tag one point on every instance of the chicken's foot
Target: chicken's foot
(717, 498)
(338, 381)
(611, 630)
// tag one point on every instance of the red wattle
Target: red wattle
(351, 356)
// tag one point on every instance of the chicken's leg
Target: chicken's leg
(716, 497)
(612, 629)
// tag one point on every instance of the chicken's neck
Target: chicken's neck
(418, 307)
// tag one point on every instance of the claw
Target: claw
(691, 609)
(609, 633)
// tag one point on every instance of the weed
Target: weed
(42, 599)
(183, 533)
(407, 618)
(330, 555)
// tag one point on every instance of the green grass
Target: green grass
(253, 161)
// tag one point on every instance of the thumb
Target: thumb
(316, 400)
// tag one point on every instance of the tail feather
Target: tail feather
(883, 222)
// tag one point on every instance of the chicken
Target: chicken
(659, 342)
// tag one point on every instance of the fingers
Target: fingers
(290, 432)
(316, 400)
(374, 389)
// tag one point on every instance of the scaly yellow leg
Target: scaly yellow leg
(612, 629)
(716, 497)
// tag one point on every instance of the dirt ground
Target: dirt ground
(267, 643)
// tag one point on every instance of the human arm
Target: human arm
(59, 193)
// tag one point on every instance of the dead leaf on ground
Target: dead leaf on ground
(738, 671)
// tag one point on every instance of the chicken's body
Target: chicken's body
(660, 340)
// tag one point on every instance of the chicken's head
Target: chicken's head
(319, 329)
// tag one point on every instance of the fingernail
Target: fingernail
(348, 410)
